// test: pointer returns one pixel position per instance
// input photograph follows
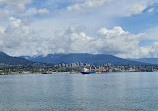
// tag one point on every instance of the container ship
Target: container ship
(94, 71)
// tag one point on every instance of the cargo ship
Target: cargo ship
(95, 71)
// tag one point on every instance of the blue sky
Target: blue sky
(140, 23)
(123, 28)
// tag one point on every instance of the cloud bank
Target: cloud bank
(17, 40)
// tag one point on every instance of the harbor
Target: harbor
(72, 92)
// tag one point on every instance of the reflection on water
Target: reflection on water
(76, 92)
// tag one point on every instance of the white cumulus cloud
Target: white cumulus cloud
(88, 4)
(2, 29)
(34, 11)
(43, 11)
(17, 39)
(122, 7)
(151, 10)
(137, 8)
(19, 4)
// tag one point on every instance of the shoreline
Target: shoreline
(60, 73)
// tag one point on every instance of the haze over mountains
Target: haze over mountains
(82, 57)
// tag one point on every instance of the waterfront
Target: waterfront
(136, 91)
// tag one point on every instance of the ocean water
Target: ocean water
(77, 92)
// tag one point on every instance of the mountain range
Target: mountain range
(82, 57)
(75, 57)
(146, 60)
(6, 59)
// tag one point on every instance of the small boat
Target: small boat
(90, 71)
(46, 72)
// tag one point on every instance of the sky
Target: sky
(123, 28)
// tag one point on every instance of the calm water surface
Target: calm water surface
(76, 92)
